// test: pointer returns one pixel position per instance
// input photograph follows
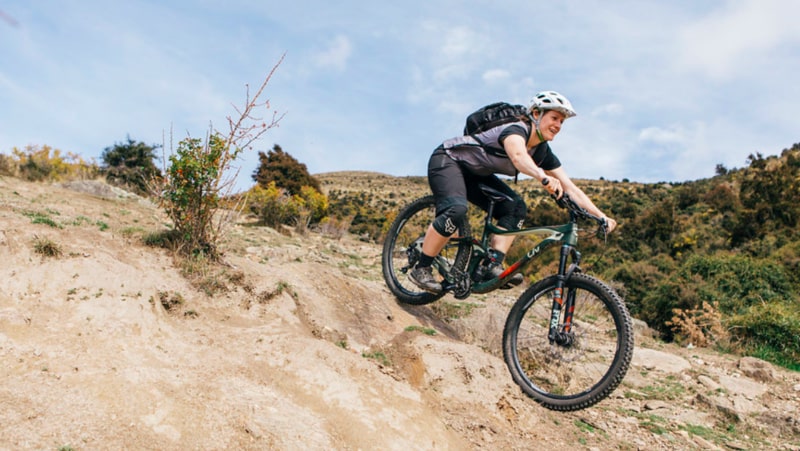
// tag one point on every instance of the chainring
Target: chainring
(462, 284)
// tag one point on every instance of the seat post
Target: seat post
(489, 212)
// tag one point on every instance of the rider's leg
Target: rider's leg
(447, 184)
(434, 242)
(502, 243)
(510, 216)
(435, 239)
(449, 188)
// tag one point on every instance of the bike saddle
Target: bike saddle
(495, 195)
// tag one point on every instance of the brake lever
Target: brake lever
(603, 228)
(564, 202)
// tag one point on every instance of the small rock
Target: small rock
(703, 443)
(655, 405)
(708, 382)
(721, 404)
(743, 386)
(651, 359)
(756, 369)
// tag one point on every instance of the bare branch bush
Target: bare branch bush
(197, 189)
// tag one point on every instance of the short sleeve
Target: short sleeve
(544, 157)
(514, 129)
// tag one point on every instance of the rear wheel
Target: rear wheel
(587, 363)
(403, 246)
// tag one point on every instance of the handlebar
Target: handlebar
(578, 212)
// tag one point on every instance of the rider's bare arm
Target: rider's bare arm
(579, 196)
(517, 152)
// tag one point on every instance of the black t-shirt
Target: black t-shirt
(486, 155)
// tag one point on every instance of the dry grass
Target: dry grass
(701, 327)
(47, 247)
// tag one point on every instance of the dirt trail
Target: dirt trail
(109, 347)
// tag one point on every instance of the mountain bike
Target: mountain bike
(567, 340)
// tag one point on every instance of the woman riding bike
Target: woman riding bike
(459, 165)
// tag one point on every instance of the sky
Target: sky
(664, 91)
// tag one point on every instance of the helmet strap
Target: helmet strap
(539, 133)
(536, 125)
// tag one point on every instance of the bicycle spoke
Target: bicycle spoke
(403, 247)
(588, 366)
(571, 368)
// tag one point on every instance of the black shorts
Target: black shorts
(452, 184)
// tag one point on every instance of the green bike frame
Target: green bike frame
(567, 234)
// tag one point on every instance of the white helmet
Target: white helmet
(551, 100)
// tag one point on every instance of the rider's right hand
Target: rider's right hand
(553, 186)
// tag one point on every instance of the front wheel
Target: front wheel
(581, 370)
(403, 246)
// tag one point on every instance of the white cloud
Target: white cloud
(610, 108)
(724, 42)
(446, 53)
(336, 55)
(459, 42)
(494, 76)
(453, 107)
(446, 73)
(658, 135)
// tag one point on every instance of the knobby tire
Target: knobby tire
(577, 375)
(408, 227)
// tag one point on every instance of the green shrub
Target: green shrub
(191, 194)
(639, 279)
(167, 239)
(274, 206)
(734, 283)
(131, 165)
(7, 165)
(771, 331)
(283, 169)
(737, 282)
(314, 203)
(42, 218)
(44, 163)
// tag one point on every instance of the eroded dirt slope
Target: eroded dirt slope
(300, 346)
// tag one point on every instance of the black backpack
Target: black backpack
(490, 116)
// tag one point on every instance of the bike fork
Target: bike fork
(561, 335)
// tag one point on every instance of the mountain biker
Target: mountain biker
(460, 164)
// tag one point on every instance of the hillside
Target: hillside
(296, 344)
(722, 254)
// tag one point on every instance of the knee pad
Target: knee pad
(446, 221)
(514, 215)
